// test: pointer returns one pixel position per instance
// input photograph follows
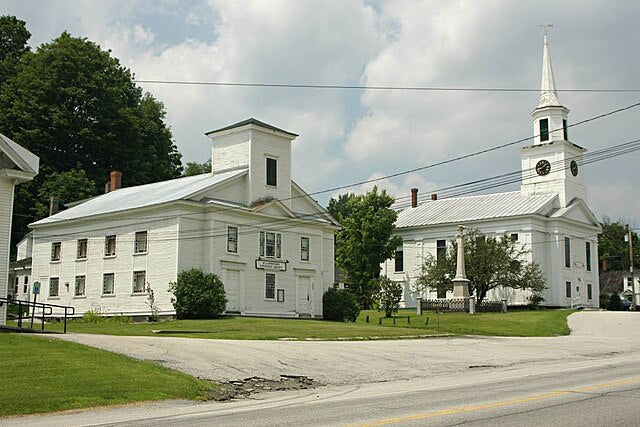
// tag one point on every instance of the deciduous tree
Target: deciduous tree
(490, 263)
(365, 241)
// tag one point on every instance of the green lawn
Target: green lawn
(245, 328)
(44, 375)
(514, 323)
(538, 323)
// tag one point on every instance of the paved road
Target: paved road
(594, 335)
(589, 378)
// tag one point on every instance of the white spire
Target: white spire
(548, 95)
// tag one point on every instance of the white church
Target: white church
(549, 216)
(247, 221)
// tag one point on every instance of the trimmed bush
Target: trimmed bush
(198, 295)
(340, 305)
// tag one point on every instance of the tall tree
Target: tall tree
(69, 186)
(613, 250)
(490, 263)
(365, 241)
(75, 106)
(13, 44)
(195, 168)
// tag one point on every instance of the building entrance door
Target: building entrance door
(304, 294)
(232, 289)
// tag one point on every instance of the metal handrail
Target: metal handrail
(576, 299)
(46, 310)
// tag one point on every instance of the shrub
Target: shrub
(388, 296)
(198, 295)
(535, 299)
(340, 305)
(92, 316)
(615, 304)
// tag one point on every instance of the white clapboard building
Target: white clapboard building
(246, 221)
(17, 165)
(549, 216)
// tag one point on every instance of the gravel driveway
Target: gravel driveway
(594, 334)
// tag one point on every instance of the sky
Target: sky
(352, 135)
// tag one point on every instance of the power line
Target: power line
(373, 87)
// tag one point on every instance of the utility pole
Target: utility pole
(633, 281)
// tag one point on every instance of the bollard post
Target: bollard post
(472, 305)
(419, 307)
(504, 305)
(426, 323)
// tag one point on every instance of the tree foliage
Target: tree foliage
(69, 186)
(388, 295)
(615, 303)
(339, 305)
(490, 263)
(365, 241)
(195, 168)
(13, 44)
(77, 108)
(198, 295)
(613, 251)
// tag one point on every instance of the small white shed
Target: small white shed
(17, 165)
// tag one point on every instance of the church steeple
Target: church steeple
(550, 116)
(548, 94)
(552, 164)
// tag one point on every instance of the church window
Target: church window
(564, 130)
(544, 129)
(272, 174)
(589, 291)
(588, 255)
(399, 260)
(567, 252)
(270, 244)
(568, 289)
(441, 250)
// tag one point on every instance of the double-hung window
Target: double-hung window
(54, 286)
(139, 282)
(589, 291)
(270, 244)
(567, 290)
(588, 255)
(108, 281)
(232, 240)
(441, 250)
(399, 260)
(80, 286)
(82, 249)
(56, 251)
(270, 286)
(140, 245)
(304, 248)
(567, 252)
(110, 245)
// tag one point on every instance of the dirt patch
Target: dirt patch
(244, 388)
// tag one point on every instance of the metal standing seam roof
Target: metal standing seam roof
(463, 209)
(142, 196)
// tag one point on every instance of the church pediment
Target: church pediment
(577, 211)
(274, 208)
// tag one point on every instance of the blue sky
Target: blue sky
(353, 135)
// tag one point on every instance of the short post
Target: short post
(367, 319)
(472, 305)
(504, 305)
(19, 314)
(394, 321)
(419, 307)
(408, 320)
(426, 322)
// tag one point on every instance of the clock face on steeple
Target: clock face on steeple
(543, 167)
(574, 168)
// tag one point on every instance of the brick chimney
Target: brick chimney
(434, 196)
(54, 205)
(414, 197)
(115, 181)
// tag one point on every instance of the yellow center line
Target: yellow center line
(493, 405)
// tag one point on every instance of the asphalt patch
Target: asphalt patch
(239, 389)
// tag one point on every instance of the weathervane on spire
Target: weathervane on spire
(545, 27)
